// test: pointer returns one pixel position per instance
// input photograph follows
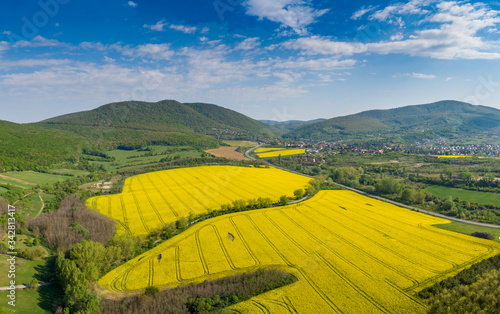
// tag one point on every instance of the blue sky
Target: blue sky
(279, 60)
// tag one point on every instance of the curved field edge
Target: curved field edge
(379, 255)
(151, 200)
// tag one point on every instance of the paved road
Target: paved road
(381, 198)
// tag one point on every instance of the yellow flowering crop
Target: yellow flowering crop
(351, 254)
(151, 200)
(269, 152)
(454, 156)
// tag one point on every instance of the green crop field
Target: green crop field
(241, 143)
(469, 228)
(465, 195)
(37, 178)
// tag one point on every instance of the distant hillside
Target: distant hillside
(447, 119)
(130, 124)
(25, 146)
(290, 124)
(166, 116)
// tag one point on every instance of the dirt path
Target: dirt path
(22, 198)
(43, 204)
(42, 284)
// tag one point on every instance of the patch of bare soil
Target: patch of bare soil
(227, 152)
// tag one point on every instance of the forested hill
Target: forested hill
(166, 116)
(443, 119)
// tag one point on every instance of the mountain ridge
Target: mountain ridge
(447, 118)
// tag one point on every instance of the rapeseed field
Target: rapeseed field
(150, 200)
(351, 254)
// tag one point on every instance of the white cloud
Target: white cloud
(448, 79)
(159, 26)
(397, 36)
(248, 44)
(34, 63)
(132, 4)
(154, 51)
(295, 14)
(6, 32)
(108, 59)
(455, 38)
(392, 13)
(184, 29)
(38, 41)
(315, 45)
(4, 46)
(320, 64)
(422, 76)
(93, 46)
(359, 13)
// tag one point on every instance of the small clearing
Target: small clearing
(227, 152)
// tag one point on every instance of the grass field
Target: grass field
(32, 301)
(25, 270)
(150, 200)
(71, 172)
(271, 152)
(2, 190)
(241, 143)
(465, 195)
(36, 178)
(130, 159)
(351, 254)
(468, 229)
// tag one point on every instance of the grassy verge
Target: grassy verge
(468, 229)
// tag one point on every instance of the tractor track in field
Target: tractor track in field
(377, 230)
(162, 196)
(188, 208)
(363, 252)
(341, 276)
(223, 247)
(140, 213)
(245, 243)
(151, 202)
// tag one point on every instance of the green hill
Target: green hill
(130, 124)
(444, 119)
(25, 146)
(164, 116)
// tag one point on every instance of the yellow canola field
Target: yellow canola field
(351, 254)
(150, 200)
(454, 156)
(269, 152)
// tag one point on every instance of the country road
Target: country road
(42, 284)
(380, 198)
